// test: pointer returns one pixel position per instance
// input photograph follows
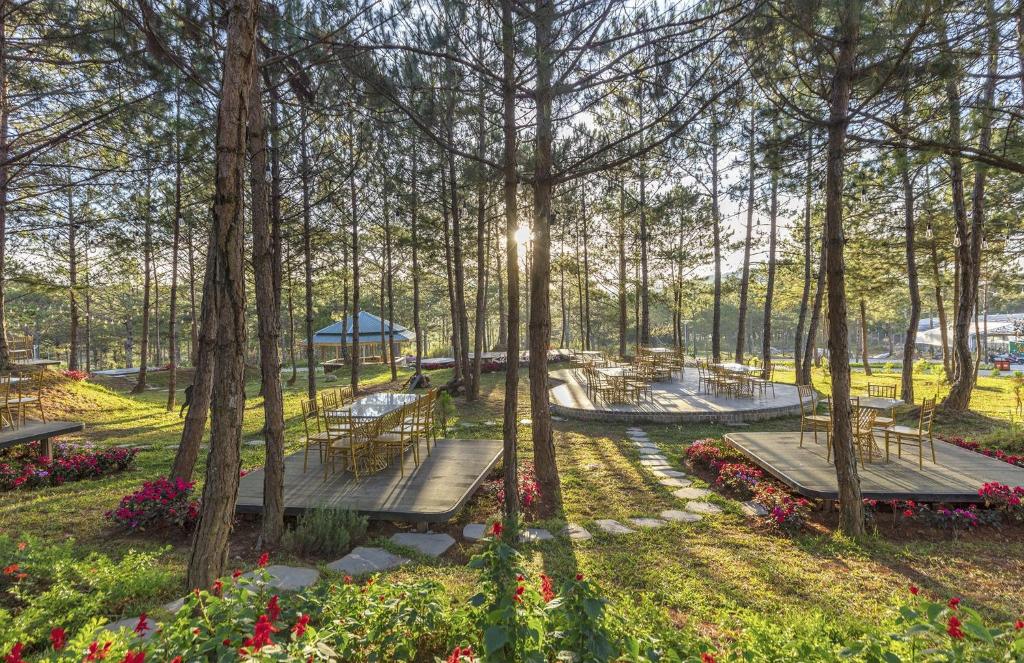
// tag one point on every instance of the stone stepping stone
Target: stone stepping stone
(634, 429)
(535, 535)
(254, 443)
(670, 474)
(651, 461)
(753, 509)
(645, 445)
(130, 623)
(474, 531)
(692, 493)
(613, 527)
(174, 606)
(702, 507)
(432, 544)
(650, 451)
(555, 418)
(637, 437)
(525, 422)
(577, 533)
(676, 483)
(648, 522)
(363, 560)
(592, 466)
(288, 578)
(678, 516)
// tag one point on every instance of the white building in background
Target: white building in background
(1000, 332)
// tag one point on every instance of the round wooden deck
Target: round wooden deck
(677, 401)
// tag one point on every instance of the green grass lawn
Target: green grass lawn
(726, 578)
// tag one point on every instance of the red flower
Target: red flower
(300, 626)
(273, 609)
(15, 655)
(579, 577)
(518, 596)
(459, 652)
(218, 588)
(97, 653)
(22, 545)
(547, 588)
(261, 634)
(58, 639)
(237, 574)
(348, 580)
(914, 590)
(1019, 625)
(226, 642)
(496, 529)
(954, 602)
(134, 657)
(143, 625)
(10, 570)
(264, 558)
(953, 628)
(705, 657)
(176, 659)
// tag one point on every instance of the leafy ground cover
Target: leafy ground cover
(728, 581)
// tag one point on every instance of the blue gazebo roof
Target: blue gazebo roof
(372, 329)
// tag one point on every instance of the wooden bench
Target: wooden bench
(38, 431)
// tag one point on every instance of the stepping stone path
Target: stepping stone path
(474, 531)
(692, 493)
(432, 544)
(254, 443)
(680, 516)
(676, 483)
(363, 561)
(654, 462)
(753, 509)
(288, 578)
(577, 533)
(703, 508)
(129, 624)
(648, 522)
(534, 535)
(672, 474)
(613, 527)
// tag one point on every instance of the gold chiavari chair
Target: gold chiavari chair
(810, 420)
(315, 435)
(906, 434)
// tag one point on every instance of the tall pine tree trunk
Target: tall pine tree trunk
(268, 315)
(307, 251)
(210, 544)
(909, 341)
(798, 356)
(172, 328)
(72, 279)
(773, 214)
(741, 318)
(716, 316)
(510, 176)
(622, 268)
(147, 263)
(540, 309)
(851, 509)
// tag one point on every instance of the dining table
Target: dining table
(376, 405)
(734, 367)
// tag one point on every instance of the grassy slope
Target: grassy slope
(715, 577)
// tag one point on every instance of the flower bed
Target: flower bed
(158, 503)
(1009, 501)
(512, 617)
(24, 467)
(529, 489)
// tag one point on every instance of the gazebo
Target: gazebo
(334, 342)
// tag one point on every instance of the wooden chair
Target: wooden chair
(21, 347)
(8, 396)
(765, 381)
(906, 434)
(636, 384)
(349, 439)
(395, 438)
(863, 429)
(315, 435)
(882, 390)
(704, 380)
(27, 392)
(810, 420)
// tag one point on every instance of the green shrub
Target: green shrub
(46, 585)
(995, 373)
(325, 531)
(444, 408)
(889, 367)
(922, 367)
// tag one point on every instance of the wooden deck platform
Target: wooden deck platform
(675, 401)
(38, 431)
(956, 477)
(434, 492)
